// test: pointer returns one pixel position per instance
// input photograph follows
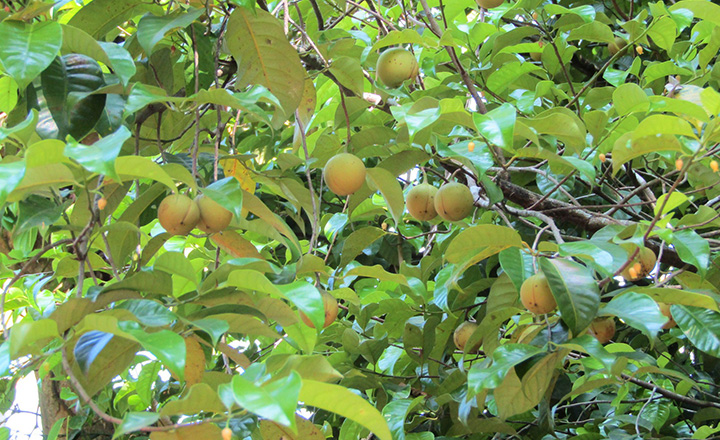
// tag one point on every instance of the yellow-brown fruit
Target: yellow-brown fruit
(639, 50)
(462, 335)
(537, 56)
(471, 146)
(536, 295)
(453, 201)
(617, 45)
(603, 329)
(642, 265)
(213, 217)
(421, 202)
(178, 214)
(331, 311)
(396, 65)
(602, 157)
(226, 433)
(344, 174)
(489, 4)
(102, 203)
(714, 166)
(679, 164)
(665, 310)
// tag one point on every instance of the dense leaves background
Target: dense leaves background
(574, 156)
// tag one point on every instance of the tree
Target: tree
(585, 132)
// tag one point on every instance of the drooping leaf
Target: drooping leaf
(265, 57)
(340, 400)
(575, 290)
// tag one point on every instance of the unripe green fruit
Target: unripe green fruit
(213, 217)
(396, 65)
(536, 295)
(617, 45)
(489, 4)
(421, 202)
(603, 329)
(462, 335)
(178, 214)
(331, 311)
(454, 201)
(344, 174)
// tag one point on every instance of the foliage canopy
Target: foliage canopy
(586, 132)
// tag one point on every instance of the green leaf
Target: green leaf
(480, 242)
(668, 202)
(200, 398)
(482, 377)
(275, 401)
(396, 412)
(342, 401)
(629, 98)
(120, 60)
(575, 290)
(358, 241)
(265, 57)
(627, 149)
(138, 167)
(99, 17)
(701, 326)
(517, 265)
(663, 32)
(305, 296)
(692, 249)
(28, 336)
(28, 49)
(99, 157)
(228, 193)
(133, 421)
(166, 345)
(67, 85)
(8, 94)
(11, 174)
(497, 125)
(637, 310)
(656, 125)
(390, 189)
(151, 29)
(593, 31)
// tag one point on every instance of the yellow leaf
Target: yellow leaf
(240, 171)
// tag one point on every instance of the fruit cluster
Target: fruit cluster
(179, 214)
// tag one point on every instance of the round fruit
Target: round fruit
(489, 4)
(213, 217)
(331, 311)
(344, 174)
(454, 201)
(395, 66)
(642, 265)
(665, 310)
(617, 45)
(421, 202)
(603, 329)
(462, 335)
(178, 214)
(536, 296)
(226, 433)
(101, 203)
